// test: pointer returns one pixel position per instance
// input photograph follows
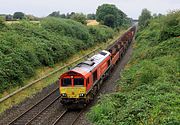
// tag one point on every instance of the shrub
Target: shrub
(150, 84)
(24, 46)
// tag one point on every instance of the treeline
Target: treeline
(106, 14)
(19, 16)
(70, 15)
(149, 86)
(24, 46)
(80, 17)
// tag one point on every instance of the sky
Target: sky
(42, 8)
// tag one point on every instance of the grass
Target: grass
(29, 92)
(12, 22)
(149, 91)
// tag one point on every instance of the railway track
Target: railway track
(38, 108)
(30, 115)
(68, 117)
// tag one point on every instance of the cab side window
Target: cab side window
(109, 62)
(94, 76)
(87, 81)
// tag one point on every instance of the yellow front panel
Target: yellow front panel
(73, 92)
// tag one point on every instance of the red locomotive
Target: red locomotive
(79, 85)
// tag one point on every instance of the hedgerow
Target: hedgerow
(149, 87)
(25, 46)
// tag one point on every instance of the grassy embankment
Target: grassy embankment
(149, 91)
(25, 46)
(99, 34)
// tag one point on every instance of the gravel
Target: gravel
(16, 110)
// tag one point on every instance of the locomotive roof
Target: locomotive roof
(91, 63)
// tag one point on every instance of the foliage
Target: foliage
(9, 17)
(144, 18)
(171, 26)
(55, 14)
(79, 17)
(19, 15)
(24, 46)
(105, 12)
(2, 24)
(91, 16)
(32, 17)
(149, 85)
(100, 33)
(109, 20)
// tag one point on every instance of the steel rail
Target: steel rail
(57, 120)
(18, 117)
(63, 115)
(30, 121)
(74, 121)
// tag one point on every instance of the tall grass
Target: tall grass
(150, 86)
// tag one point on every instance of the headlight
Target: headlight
(63, 94)
(81, 95)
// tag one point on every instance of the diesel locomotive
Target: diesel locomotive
(80, 84)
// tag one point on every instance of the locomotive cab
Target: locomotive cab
(72, 88)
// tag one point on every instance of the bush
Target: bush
(170, 26)
(100, 33)
(25, 46)
(149, 85)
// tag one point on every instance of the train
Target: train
(79, 85)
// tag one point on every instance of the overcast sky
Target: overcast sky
(42, 8)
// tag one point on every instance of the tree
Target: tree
(109, 20)
(68, 16)
(19, 15)
(91, 16)
(9, 17)
(62, 15)
(144, 18)
(31, 17)
(55, 14)
(79, 17)
(105, 11)
(2, 24)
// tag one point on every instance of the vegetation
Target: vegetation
(111, 16)
(91, 16)
(144, 18)
(55, 14)
(24, 46)
(79, 17)
(42, 71)
(149, 87)
(2, 24)
(19, 15)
